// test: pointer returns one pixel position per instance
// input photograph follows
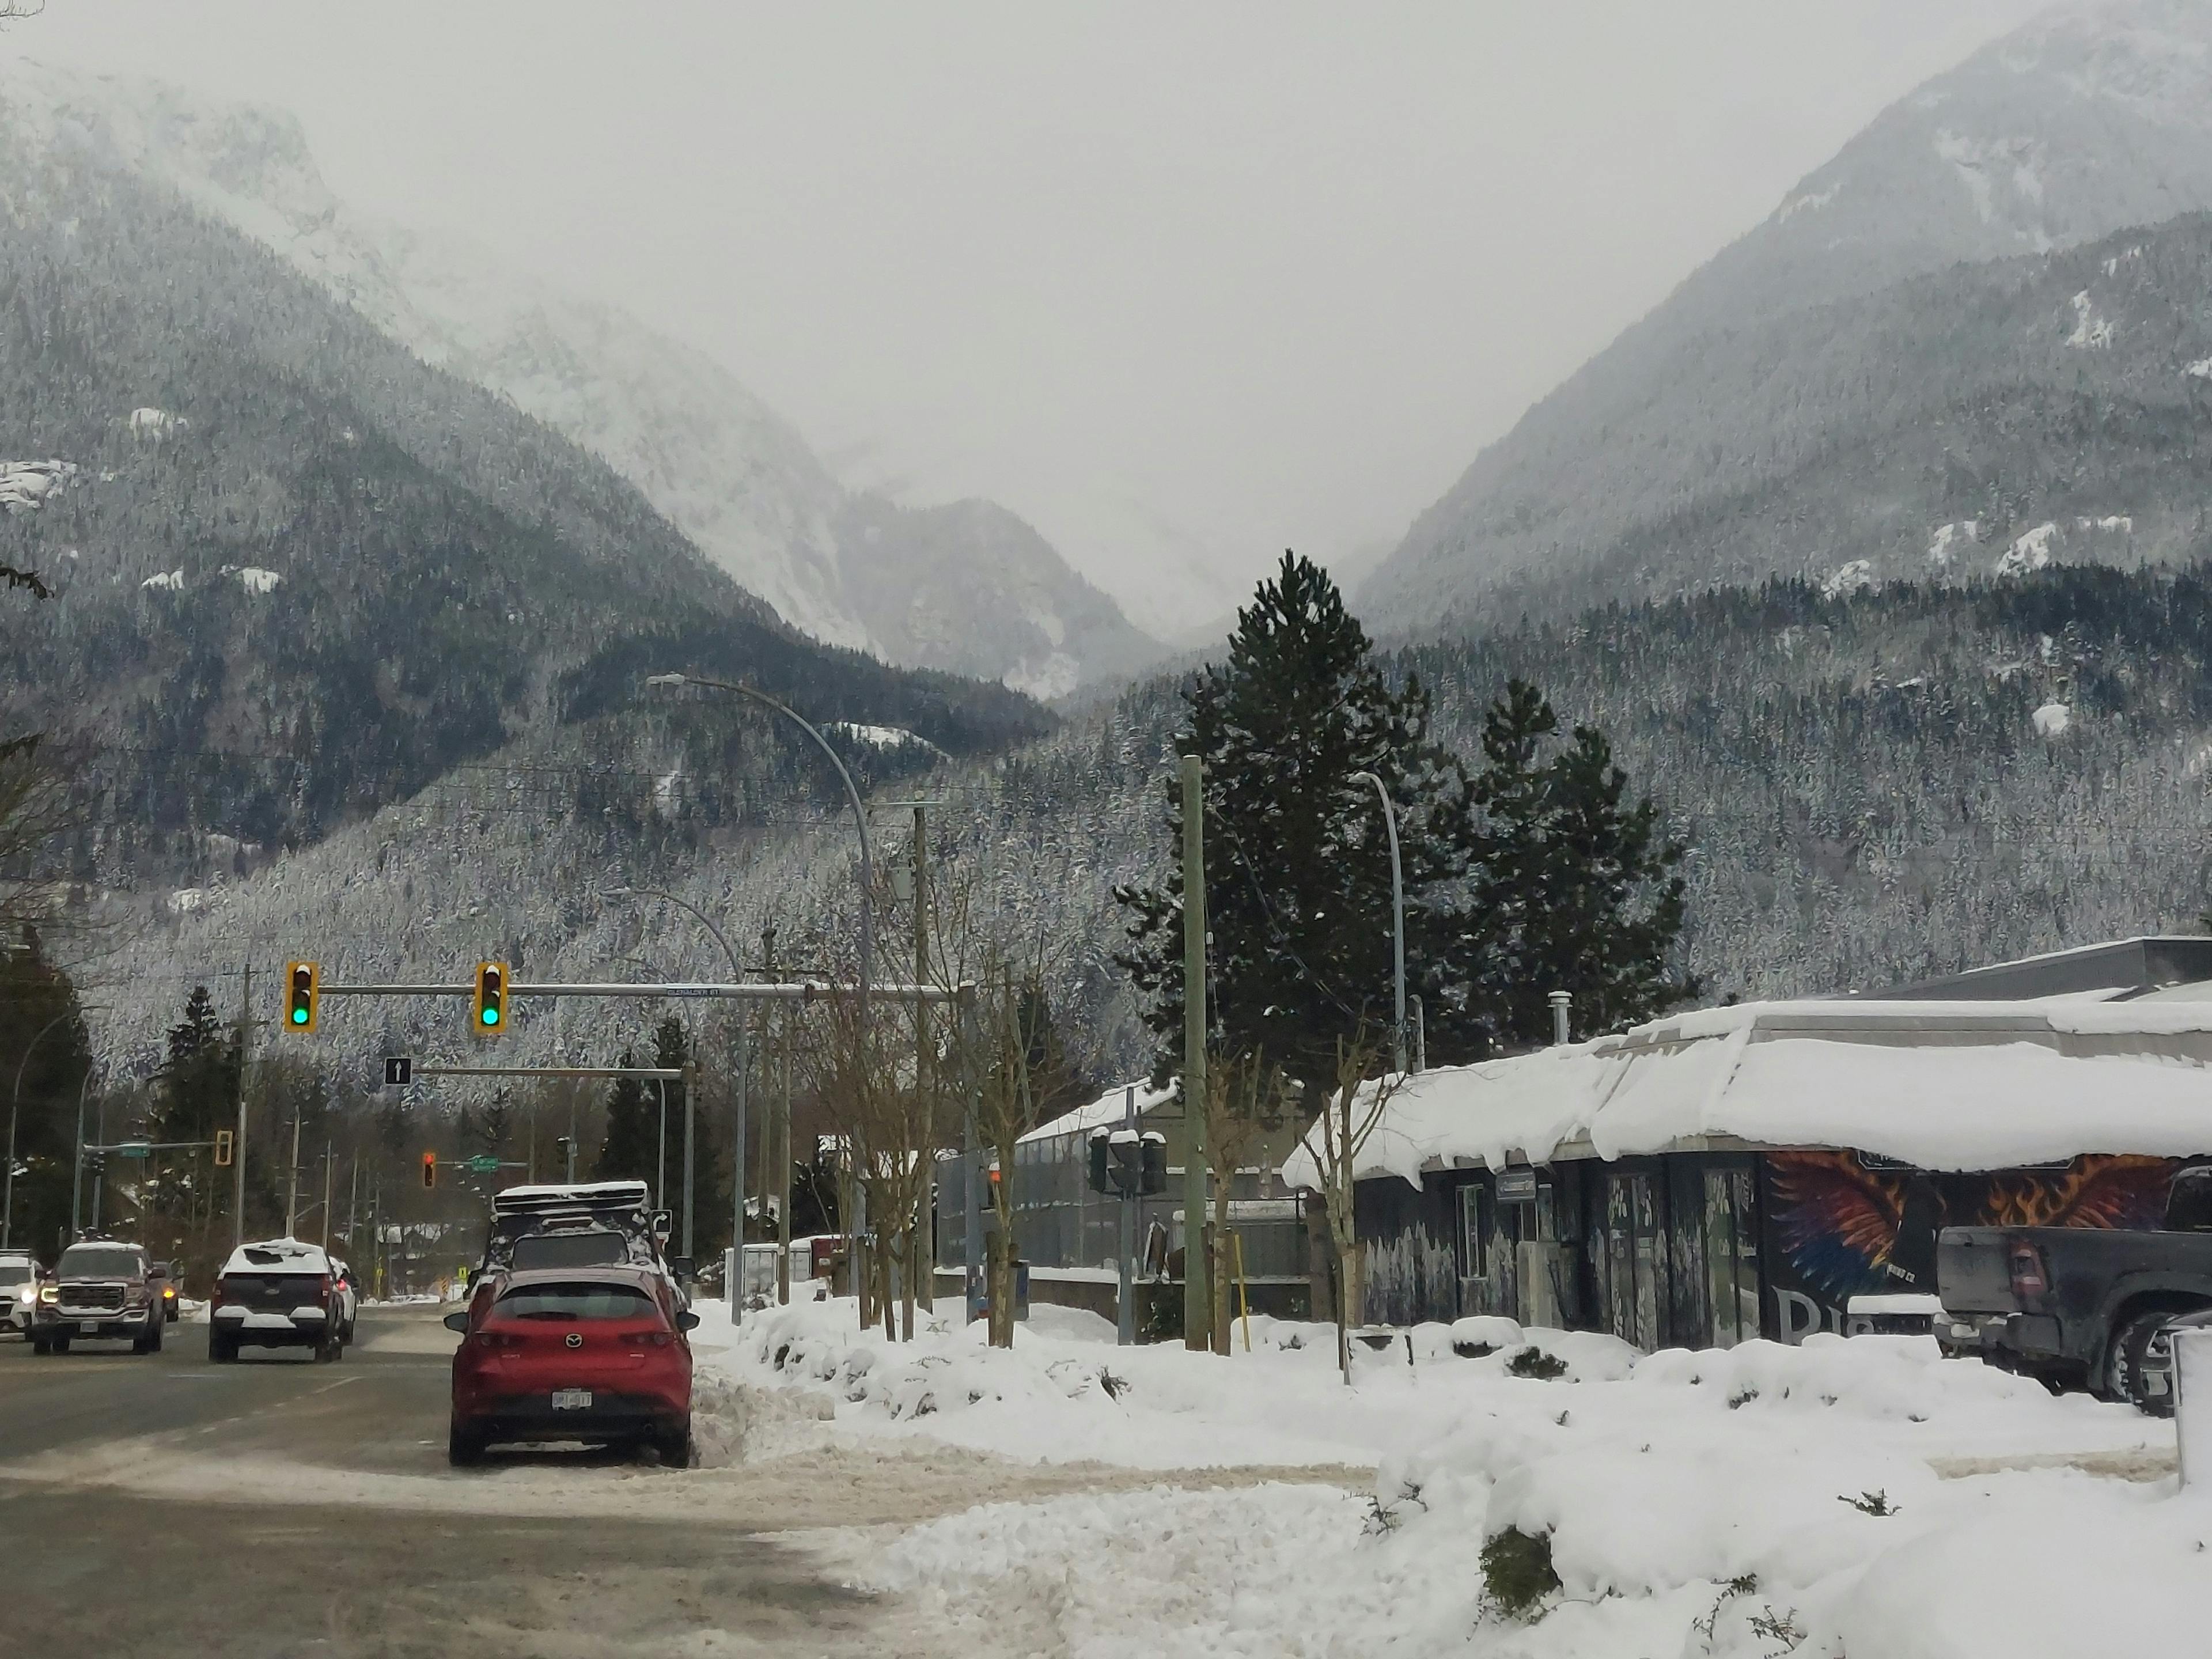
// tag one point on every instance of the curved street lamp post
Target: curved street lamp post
(868, 934)
(1397, 923)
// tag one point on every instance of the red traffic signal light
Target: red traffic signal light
(490, 1000)
(302, 987)
(430, 1168)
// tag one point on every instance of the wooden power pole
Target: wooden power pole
(1197, 1319)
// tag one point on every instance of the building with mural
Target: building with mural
(1747, 1171)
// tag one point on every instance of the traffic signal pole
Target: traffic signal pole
(237, 1147)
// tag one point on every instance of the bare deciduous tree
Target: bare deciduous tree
(1348, 1116)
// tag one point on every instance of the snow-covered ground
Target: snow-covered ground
(1860, 1496)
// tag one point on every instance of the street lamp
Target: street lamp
(1397, 922)
(852, 796)
(867, 868)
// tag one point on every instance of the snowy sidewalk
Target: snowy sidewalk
(1758, 1501)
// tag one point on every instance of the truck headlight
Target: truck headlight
(50, 1294)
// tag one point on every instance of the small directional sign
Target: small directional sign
(484, 1164)
(398, 1071)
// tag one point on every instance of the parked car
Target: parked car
(2078, 1306)
(600, 1354)
(102, 1290)
(349, 1289)
(19, 1291)
(279, 1293)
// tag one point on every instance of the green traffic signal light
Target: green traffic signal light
(303, 982)
(490, 998)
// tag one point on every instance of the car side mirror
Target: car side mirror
(687, 1321)
(456, 1322)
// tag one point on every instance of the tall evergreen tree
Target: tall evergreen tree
(1297, 860)
(197, 1086)
(631, 1145)
(46, 1055)
(1573, 890)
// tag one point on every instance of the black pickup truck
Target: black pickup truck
(2079, 1306)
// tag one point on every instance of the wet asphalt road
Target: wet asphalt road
(88, 1568)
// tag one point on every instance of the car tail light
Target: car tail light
(656, 1339)
(504, 1340)
(2029, 1281)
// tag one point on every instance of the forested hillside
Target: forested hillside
(298, 574)
(1874, 785)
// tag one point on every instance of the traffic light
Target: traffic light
(223, 1142)
(430, 1168)
(303, 984)
(491, 999)
(1101, 1169)
(1152, 1164)
(1127, 1166)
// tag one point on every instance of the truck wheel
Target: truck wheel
(327, 1347)
(220, 1351)
(40, 1345)
(2124, 1355)
(57, 1343)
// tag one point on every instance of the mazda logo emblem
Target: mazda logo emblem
(576, 1338)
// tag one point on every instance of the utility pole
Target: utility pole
(1197, 1323)
(292, 1181)
(926, 1243)
(779, 1045)
(352, 1200)
(971, 1159)
(329, 1151)
(238, 1151)
(691, 1144)
(733, 1288)
(1125, 1263)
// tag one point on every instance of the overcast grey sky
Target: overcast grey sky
(1184, 285)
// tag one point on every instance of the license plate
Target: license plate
(571, 1399)
(89, 1327)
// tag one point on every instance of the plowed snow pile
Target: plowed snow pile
(1758, 1501)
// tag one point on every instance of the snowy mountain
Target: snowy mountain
(722, 467)
(299, 573)
(2091, 119)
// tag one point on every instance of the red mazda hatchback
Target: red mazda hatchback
(597, 1354)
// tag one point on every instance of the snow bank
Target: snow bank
(1693, 1502)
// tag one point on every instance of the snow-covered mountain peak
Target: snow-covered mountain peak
(717, 462)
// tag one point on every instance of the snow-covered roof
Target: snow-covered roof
(1944, 1085)
(1104, 1112)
